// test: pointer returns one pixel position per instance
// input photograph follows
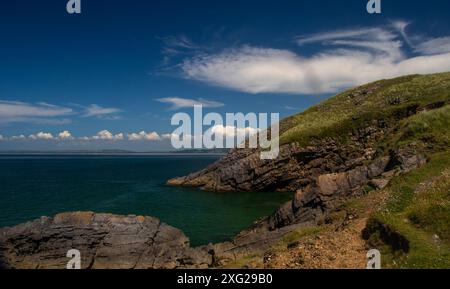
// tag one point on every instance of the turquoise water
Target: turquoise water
(34, 186)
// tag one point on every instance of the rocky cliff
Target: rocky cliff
(295, 168)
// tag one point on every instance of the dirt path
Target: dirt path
(342, 249)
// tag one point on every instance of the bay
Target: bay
(43, 185)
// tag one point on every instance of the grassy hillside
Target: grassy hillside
(387, 100)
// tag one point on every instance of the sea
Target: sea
(38, 185)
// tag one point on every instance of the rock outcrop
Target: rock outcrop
(295, 168)
(104, 241)
(330, 190)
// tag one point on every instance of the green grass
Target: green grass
(402, 190)
(299, 234)
(424, 252)
(431, 127)
(431, 209)
(243, 261)
(341, 115)
(419, 209)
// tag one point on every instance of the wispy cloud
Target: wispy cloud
(15, 111)
(346, 58)
(401, 26)
(174, 46)
(45, 113)
(178, 102)
(376, 40)
(177, 44)
(98, 111)
(292, 108)
(434, 46)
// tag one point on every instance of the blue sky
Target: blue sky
(98, 79)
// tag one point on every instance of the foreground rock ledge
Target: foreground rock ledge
(104, 240)
(109, 241)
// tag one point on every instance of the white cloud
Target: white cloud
(349, 58)
(46, 136)
(288, 107)
(375, 40)
(232, 131)
(371, 34)
(227, 132)
(95, 110)
(119, 136)
(44, 113)
(169, 136)
(14, 111)
(177, 45)
(65, 135)
(41, 136)
(103, 135)
(106, 135)
(178, 102)
(153, 136)
(434, 46)
(18, 137)
(401, 26)
(174, 45)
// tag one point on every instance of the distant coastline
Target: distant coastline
(217, 152)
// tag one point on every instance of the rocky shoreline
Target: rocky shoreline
(108, 241)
